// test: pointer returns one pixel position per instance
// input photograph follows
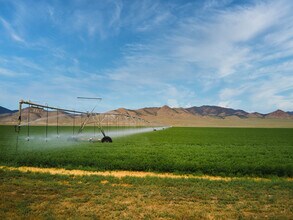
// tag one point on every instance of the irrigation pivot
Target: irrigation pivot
(73, 113)
(92, 126)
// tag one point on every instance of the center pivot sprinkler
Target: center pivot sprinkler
(91, 117)
(105, 125)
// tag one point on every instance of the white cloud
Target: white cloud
(7, 72)
(230, 104)
(222, 43)
(269, 94)
(212, 4)
(11, 32)
(107, 19)
(144, 15)
(228, 93)
(173, 103)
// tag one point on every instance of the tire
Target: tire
(106, 139)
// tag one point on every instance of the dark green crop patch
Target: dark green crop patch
(212, 151)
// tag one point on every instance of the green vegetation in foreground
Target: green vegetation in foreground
(44, 196)
(212, 151)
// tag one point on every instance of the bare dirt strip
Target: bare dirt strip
(138, 174)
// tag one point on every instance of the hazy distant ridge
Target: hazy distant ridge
(205, 110)
(6, 110)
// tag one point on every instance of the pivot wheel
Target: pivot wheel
(106, 139)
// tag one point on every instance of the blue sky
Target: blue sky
(137, 54)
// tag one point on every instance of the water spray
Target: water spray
(111, 124)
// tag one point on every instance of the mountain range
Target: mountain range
(205, 110)
(194, 116)
(211, 116)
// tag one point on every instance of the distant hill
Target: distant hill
(255, 115)
(278, 114)
(216, 111)
(6, 110)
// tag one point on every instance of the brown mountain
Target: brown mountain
(148, 111)
(166, 111)
(37, 116)
(216, 111)
(278, 114)
(255, 115)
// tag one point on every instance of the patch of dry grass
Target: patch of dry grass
(31, 195)
(139, 174)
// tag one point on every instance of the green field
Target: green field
(213, 151)
(243, 152)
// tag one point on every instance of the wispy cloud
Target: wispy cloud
(146, 15)
(227, 45)
(11, 32)
(87, 20)
(7, 72)
(223, 42)
(275, 93)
